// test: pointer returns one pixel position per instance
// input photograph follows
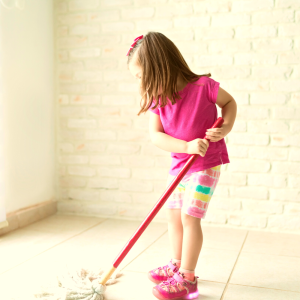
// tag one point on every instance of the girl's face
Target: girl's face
(135, 69)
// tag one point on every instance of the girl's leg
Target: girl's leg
(199, 191)
(192, 241)
(175, 230)
(188, 246)
(173, 213)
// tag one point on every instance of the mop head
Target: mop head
(81, 284)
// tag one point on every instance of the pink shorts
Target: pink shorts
(194, 192)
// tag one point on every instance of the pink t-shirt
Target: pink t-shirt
(189, 118)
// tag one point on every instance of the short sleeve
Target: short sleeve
(155, 110)
(212, 88)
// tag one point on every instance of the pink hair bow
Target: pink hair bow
(133, 44)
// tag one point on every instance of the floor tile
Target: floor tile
(23, 244)
(103, 243)
(210, 290)
(272, 243)
(64, 223)
(213, 264)
(134, 286)
(216, 264)
(97, 247)
(223, 238)
(238, 292)
(268, 271)
(267, 268)
(100, 244)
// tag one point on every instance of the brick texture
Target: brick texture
(106, 164)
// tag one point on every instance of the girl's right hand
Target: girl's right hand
(197, 146)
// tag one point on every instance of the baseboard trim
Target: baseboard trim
(3, 224)
(28, 215)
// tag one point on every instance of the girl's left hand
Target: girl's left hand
(216, 134)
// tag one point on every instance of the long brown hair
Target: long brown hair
(161, 64)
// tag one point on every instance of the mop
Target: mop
(91, 285)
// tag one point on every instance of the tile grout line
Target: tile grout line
(280, 255)
(226, 287)
(266, 288)
(55, 245)
(143, 251)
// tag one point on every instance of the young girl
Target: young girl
(183, 106)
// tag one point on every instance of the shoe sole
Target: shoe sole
(159, 296)
(154, 280)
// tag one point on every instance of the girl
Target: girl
(183, 106)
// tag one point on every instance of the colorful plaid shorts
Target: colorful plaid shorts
(194, 192)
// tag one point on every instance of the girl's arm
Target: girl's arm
(198, 146)
(168, 143)
(229, 108)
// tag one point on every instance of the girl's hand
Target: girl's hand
(197, 146)
(216, 134)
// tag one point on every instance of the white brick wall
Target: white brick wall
(107, 165)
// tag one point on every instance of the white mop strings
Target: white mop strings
(78, 285)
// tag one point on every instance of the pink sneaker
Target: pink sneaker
(176, 287)
(164, 272)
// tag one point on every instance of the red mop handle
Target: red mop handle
(160, 202)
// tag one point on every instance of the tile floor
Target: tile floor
(234, 264)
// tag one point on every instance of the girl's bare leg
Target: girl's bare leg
(175, 230)
(192, 241)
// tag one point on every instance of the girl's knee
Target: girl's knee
(174, 215)
(188, 220)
